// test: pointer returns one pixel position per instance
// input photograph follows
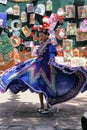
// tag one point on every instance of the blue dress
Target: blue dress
(58, 83)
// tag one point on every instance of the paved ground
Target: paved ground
(19, 112)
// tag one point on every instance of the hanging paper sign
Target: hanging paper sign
(82, 31)
(82, 12)
(23, 17)
(49, 5)
(40, 9)
(71, 29)
(32, 18)
(60, 33)
(70, 11)
(3, 1)
(16, 10)
(83, 26)
(30, 8)
(26, 31)
(67, 48)
(9, 11)
(81, 36)
(53, 20)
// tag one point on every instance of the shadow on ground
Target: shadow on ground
(17, 114)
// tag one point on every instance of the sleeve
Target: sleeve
(52, 51)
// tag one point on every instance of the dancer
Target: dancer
(58, 83)
(46, 53)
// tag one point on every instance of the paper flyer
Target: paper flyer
(3, 1)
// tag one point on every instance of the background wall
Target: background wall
(38, 19)
(74, 20)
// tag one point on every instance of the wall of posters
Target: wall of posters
(64, 20)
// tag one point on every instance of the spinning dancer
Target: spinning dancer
(58, 83)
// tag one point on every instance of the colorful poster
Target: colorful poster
(32, 18)
(26, 31)
(30, 8)
(81, 36)
(53, 20)
(67, 48)
(70, 11)
(40, 9)
(71, 29)
(82, 12)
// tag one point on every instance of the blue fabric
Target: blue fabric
(58, 83)
(3, 16)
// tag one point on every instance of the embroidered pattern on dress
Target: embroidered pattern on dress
(41, 72)
(70, 94)
(3, 85)
(42, 49)
(53, 72)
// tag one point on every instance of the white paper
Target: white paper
(3, 1)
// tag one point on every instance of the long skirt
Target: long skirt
(64, 83)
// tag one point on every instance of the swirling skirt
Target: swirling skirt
(65, 82)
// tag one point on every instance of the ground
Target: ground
(19, 112)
